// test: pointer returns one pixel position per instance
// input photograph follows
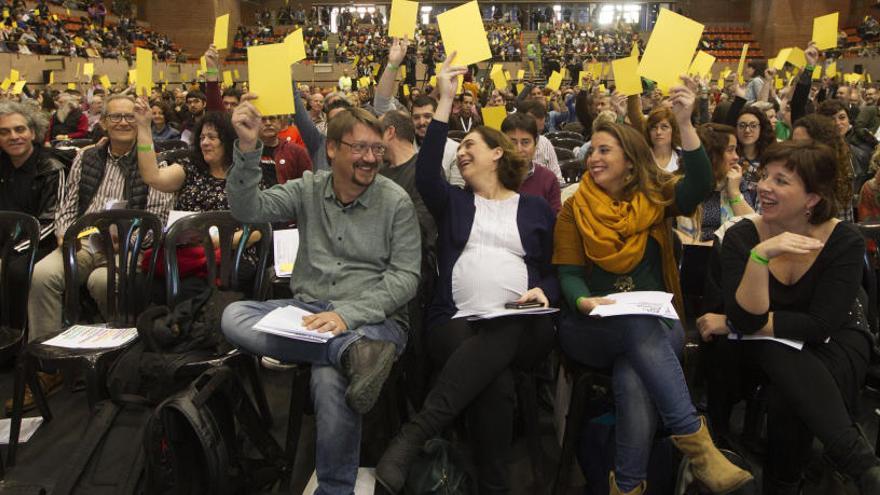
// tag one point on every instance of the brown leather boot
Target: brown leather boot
(614, 490)
(50, 383)
(708, 464)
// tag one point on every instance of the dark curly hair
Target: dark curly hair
(715, 139)
(823, 130)
(767, 135)
(816, 165)
(512, 167)
(222, 123)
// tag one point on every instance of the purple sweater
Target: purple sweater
(543, 183)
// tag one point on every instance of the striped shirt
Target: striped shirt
(111, 189)
(545, 155)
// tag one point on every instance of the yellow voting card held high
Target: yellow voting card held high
(626, 76)
(825, 31)
(742, 62)
(273, 87)
(817, 73)
(227, 79)
(520, 74)
(105, 82)
(554, 81)
(144, 65)
(51, 77)
(779, 62)
(497, 75)
(5, 84)
(296, 47)
(462, 31)
(19, 87)
(670, 48)
(702, 64)
(88, 69)
(494, 116)
(831, 70)
(403, 19)
(221, 32)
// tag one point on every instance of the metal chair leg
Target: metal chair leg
(252, 369)
(529, 400)
(299, 394)
(573, 421)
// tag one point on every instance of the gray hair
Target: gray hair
(113, 97)
(36, 120)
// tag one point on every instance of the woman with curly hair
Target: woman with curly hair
(754, 133)
(869, 196)
(821, 129)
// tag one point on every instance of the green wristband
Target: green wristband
(577, 302)
(145, 147)
(810, 67)
(212, 71)
(757, 258)
(736, 200)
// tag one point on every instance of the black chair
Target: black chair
(572, 170)
(74, 143)
(574, 127)
(564, 142)
(173, 155)
(563, 154)
(172, 144)
(457, 135)
(127, 296)
(198, 227)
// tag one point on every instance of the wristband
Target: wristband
(810, 67)
(577, 302)
(212, 71)
(733, 201)
(757, 258)
(145, 147)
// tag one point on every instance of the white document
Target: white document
(175, 215)
(644, 302)
(286, 244)
(93, 337)
(795, 344)
(513, 312)
(28, 428)
(365, 484)
(287, 322)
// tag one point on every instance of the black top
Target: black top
(404, 175)
(16, 184)
(814, 307)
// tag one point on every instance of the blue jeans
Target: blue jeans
(338, 427)
(647, 378)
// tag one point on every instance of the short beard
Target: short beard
(354, 179)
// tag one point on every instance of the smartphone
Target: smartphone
(525, 305)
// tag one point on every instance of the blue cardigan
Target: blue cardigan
(453, 210)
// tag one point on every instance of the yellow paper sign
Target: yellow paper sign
(635, 50)
(227, 79)
(520, 74)
(363, 82)
(797, 58)
(702, 64)
(403, 19)
(494, 116)
(520, 87)
(462, 31)
(433, 81)
(403, 72)
(144, 67)
(71, 86)
(868, 77)
(36, 12)
(221, 32)
(778, 82)
(51, 77)
(831, 70)
(296, 47)
(825, 31)
(817, 73)
(5, 84)
(89, 69)
(670, 48)
(460, 84)
(14, 76)
(626, 76)
(742, 62)
(554, 81)
(105, 82)
(779, 62)
(19, 87)
(273, 86)
(236, 74)
(132, 76)
(497, 75)
(162, 76)
(406, 90)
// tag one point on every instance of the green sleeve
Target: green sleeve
(574, 285)
(697, 183)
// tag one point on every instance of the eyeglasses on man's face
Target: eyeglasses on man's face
(119, 117)
(361, 148)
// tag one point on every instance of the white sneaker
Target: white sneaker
(276, 365)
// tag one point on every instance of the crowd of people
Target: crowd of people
(35, 30)
(421, 222)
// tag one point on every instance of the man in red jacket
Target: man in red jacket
(285, 158)
(68, 122)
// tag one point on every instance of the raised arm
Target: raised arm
(212, 81)
(697, 182)
(801, 94)
(385, 88)
(166, 179)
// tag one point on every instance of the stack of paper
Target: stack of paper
(513, 312)
(287, 322)
(93, 337)
(650, 303)
(28, 428)
(286, 244)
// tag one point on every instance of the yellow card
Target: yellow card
(460, 85)
(105, 82)
(144, 67)
(14, 75)
(462, 31)
(89, 69)
(403, 19)
(508, 76)
(236, 74)
(564, 73)
(670, 48)
(702, 64)
(602, 89)
(203, 64)
(5, 84)
(132, 76)
(554, 81)
(403, 72)
(520, 74)
(19, 87)
(71, 86)
(36, 12)
(87, 232)
(532, 68)
(363, 82)
(797, 58)
(825, 31)
(406, 90)
(273, 86)
(779, 61)
(635, 50)
(497, 75)
(626, 76)
(51, 77)
(227, 79)
(868, 77)
(778, 82)
(831, 70)
(296, 47)
(221, 32)
(376, 68)
(742, 62)
(433, 82)
(494, 116)
(817, 73)
(54, 17)
(519, 88)
(162, 76)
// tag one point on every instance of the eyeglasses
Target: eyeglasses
(117, 117)
(361, 148)
(751, 126)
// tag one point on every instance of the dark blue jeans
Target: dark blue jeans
(642, 352)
